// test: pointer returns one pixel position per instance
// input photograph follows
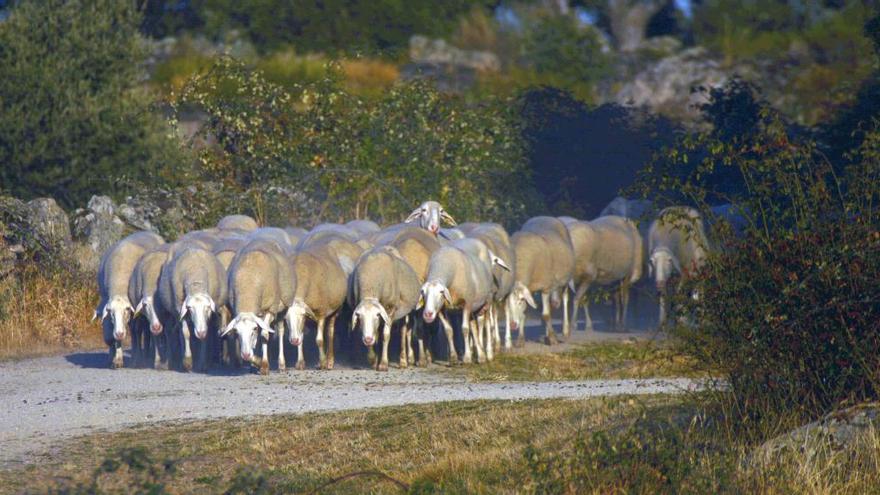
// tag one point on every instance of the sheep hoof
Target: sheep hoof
(282, 367)
(466, 360)
(382, 367)
(550, 339)
(403, 364)
(187, 363)
(422, 363)
(161, 365)
(300, 365)
(264, 368)
(115, 364)
(520, 343)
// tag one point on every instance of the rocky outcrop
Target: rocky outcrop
(47, 221)
(844, 430)
(670, 85)
(452, 69)
(97, 225)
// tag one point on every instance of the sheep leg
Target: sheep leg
(204, 350)
(264, 356)
(576, 302)
(624, 302)
(508, 339)
(410, 352)
(319, 341)
(404, 352)
(135, 342)
(466, 333)
(300, 357)
(566, 324)
(279, 332)
(550, 334)
(662, 315)
(331, 338)
(447, 327)
(187, 352)
(386, 339)
(371, 356)
(496, 328)
(484, 333)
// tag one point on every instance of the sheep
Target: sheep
(239, 222)
(429, 214)
(481, 251)
(262, 285)
(498, 241)
(142, 288)
(342, 249)
(457, 280)
(192, 285)
(617, 258)
(274, 234)
(321, 288)
(363, 227)
(544, 263)
(337, 229)
(451, 234)
(384, 286)
(634, 209)
(226, 249)
(296, 234)
(676, 240)
(114, 272)
(207, 237)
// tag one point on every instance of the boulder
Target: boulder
(844, 430)
(97, 225)
(669, 86)
(424, 50)
(48, 222)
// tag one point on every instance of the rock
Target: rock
(844, 430)
(48, 222)
(139, 213)
(423, 50)
(660, 46)
(634, 209)
(669, 85)
(97, 225)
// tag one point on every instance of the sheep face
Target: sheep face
(519, 298)
(249, 327)
(148, 308)
(434, 295)
(661, 266)
(429, 215)
(296, 319)
(120, 311)
(369, 312)
(199, 307)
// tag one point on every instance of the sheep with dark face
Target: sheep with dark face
(676, 242)
(544, 263)
(192, 286)
(114, 273)
(384, 288)
(458, 280)
(142, 291)
(262, 285)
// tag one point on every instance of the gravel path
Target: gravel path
(46, 400)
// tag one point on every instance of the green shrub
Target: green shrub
(358, 157)
(72, 119)
(789, 309)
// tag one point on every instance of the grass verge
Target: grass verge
(627, 359)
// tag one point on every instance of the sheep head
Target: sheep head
(296, 319)
(433, 296)
(119, 310)
(147, 307)
(368, 313)
(249, 326)
(661, 265)
(520, 297)
(429, 215)
(199, 307)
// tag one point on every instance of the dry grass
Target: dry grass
(369, 77)
(627, 359)
(44, 311)
(473, 447)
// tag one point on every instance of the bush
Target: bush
(789, 309)
(357, 157)
(72, 121)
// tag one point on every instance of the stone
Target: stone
(48, 222)
(424, 50)
(97, 226)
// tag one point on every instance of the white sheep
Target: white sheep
(429, 214)
(676, 241)
(460, 281)
(498, 241)
(321, 286)
(274, 234)
(192, 285)
(262, 284)
(544, 263)
(237, 222)
(383, 286)
(142, 290)
(114, 272)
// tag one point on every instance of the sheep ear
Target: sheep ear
(95, 315)
(527, 295)
(354, 321)
(571, 285)
(447, 218)
(106, 312)
(310, 313)
(650, 268)
(384, 315)
(183, 310)
(263, 325)
(213, 306)
(498, 261)
(447, 296)
(414, 215)
(421, 301)
(139, 308)
(229, 327)
(676, 264)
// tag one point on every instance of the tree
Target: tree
(72, 119)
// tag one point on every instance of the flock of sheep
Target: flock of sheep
(237, 285)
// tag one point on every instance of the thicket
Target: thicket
(335, 155)
(789, 304)
(73, 120)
